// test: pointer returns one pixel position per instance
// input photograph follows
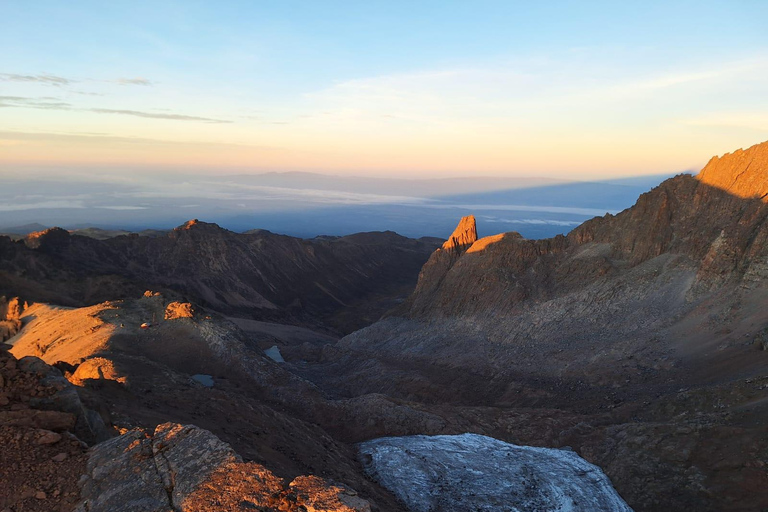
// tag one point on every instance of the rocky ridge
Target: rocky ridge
(341, 283)
(740, 173)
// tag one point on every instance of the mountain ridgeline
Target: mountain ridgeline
(341, 283)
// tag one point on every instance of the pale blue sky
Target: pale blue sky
(576, 89)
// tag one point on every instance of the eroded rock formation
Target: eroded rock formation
(10, 317)
(179, 310)
(462, 237)
(186, 468)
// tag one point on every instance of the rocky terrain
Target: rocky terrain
(41, 458)
(10, 317)
(637, 341)
(641, 334)
(333, 283)
(186, 468)
(140, 378)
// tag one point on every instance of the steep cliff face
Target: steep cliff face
(346, 282)
(462, 237)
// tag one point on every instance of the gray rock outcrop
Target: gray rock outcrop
(470, 472)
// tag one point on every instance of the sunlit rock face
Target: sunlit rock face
(470, 472)
(741, 173)
(463, 236)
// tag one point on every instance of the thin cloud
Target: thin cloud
(74, 137)
(151, 115)
(60, 81)
(86, 137)
(46, 103)
(134, 81)
(41, 205)
(46, 79)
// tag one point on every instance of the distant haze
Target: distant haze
(307, 205)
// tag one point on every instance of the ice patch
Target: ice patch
(274, 354)
(205, 380)
(470, 472)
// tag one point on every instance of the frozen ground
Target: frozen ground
(470, 472)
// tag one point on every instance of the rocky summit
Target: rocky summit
(622, 366)
(462, 237)
(741, 173)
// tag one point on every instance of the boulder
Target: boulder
(179, 310)
(186, 468)
(470, 472)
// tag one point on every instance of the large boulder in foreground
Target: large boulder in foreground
(186, 468)
(470, 472)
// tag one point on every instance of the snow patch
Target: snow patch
(205, 380)
(274, 354)
(470, 472)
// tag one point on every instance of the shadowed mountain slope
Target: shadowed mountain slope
(342, 282)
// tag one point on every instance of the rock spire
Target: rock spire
(463, 236)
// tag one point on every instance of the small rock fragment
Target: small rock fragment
(49, 437)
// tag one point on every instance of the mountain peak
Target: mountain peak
(743, 173)
(463, 236)
(199, 225)
(55, 236)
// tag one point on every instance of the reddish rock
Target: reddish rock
(176, 310)
(48, 437)
(741, 173)
(463, 236)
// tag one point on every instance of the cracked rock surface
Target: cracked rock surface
(186, 468)
(470, 472)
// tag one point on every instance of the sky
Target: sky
(577, 90)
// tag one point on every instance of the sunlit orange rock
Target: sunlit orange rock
(741, 173)
(463, 236)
